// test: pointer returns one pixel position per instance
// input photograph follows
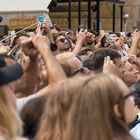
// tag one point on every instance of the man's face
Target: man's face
(113, 36)
(128, 72)
(61, 43)
(118, 43)
(131, 73)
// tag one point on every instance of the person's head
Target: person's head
(98, 58)
(85, 54)
(61, 42)
(118, 43)
(88, 108)
(71, 64)
(107, 41)
(131, 73)
(8, 60)
(9, 73)
(99, 112)
(31, 116)
(19, 38)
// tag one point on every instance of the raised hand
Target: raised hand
(108, 66)
(29, 49)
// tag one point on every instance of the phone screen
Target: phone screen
(40, 18)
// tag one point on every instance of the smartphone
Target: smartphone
(40, 18)
(46, 19)
(81, 27)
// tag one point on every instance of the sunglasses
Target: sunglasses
(62, 40)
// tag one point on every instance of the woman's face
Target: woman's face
(129, 106)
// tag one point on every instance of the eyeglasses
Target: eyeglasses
(129, 95)
(61, 40)
(132, 95)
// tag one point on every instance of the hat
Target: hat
(9, 73)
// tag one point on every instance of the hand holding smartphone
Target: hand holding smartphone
(45, 20)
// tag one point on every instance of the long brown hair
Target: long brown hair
(53, 121)
(92, 115)
(82, 108)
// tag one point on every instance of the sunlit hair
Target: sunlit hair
(92, 111)
(63, 59)
(10, 124)
(53, 121)
(83, 108)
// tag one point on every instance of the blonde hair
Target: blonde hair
(63, 59)
(10, 123)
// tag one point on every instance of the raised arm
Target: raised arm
(54, 69)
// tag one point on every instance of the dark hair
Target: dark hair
(31, 115)
(84, 51)
(98, 57)
(55, 27)
(103, 41)
(116, 33)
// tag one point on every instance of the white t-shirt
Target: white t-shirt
(135, 132)
(20, 102)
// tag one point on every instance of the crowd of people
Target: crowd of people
(64, 84)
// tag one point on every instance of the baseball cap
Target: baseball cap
(9, 73)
